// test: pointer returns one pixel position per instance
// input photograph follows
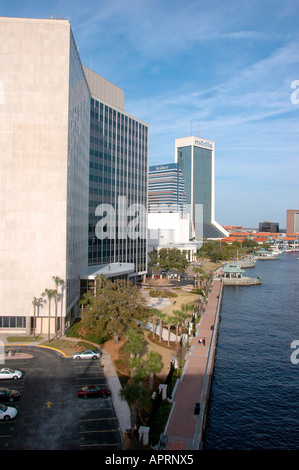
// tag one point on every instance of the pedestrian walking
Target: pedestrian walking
(204, 340)
(200, 340)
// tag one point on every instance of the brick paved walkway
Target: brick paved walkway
(182, 428)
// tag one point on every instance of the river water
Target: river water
(254, 396)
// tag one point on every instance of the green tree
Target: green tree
(179, 319)
(36, 303)
(154, 313)
(137, 397)
(169, 320)
(154, 366)
(247, 243)
(121, 306)
(162, 317)
(135, 345)
(85, 300)
(99, 282)
(169, 258)
(58, 282)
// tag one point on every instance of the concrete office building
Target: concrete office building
(269, 226)
(47, 133)
(196, 159)
(292, 221)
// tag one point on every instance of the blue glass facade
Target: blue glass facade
(196, 162)
(166, 189)
(118, 169)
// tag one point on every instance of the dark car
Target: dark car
(93, 391)
(9, 395)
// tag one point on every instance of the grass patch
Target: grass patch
(164, 343)
(68, 347)
(22, 339)
(163, 294)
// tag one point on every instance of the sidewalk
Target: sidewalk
(121, 406)
(184, 426)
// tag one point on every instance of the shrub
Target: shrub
(79, 330)
(161, 420)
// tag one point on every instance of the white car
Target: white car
(7, 412)
(87, 354)
(6, 373)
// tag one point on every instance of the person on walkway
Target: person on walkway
(204, 340)
(200, 340)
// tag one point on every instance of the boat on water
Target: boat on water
(266, 255)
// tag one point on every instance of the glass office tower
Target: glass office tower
(166, 189)
(195, 158)
(117, 181)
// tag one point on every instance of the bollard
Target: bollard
(163, 390)
(144, 434)
(197, 408)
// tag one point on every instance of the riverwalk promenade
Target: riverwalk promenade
(186, 422)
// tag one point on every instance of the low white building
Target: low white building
(171, 230)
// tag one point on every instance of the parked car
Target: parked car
(6, 373)
(87, 354)
(7, 412)
(9, 395)
(93, 391)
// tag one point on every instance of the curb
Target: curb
(53, 349)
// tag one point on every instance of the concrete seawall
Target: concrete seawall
(186, 423)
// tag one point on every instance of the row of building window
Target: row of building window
(12, 322)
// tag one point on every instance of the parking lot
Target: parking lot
(50, 415)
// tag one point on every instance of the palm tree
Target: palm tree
(177, 318)
(49, 293)
(134, 345)
(58, 282)
(36, 303)
(155, 312)
(84, 301)
(181, 317)
(138, 369)
(162, 318)
(169, 322)
(153, 365)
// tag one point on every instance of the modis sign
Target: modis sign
(203, 143)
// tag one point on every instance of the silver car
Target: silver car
(7, 412)
(87, 354)
(6, 373)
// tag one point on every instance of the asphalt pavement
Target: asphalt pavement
(50, 415)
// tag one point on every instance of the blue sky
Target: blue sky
(224, 66)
